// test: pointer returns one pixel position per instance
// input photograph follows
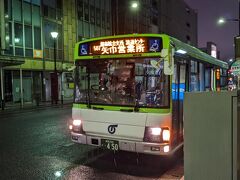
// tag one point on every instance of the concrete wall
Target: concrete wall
(211, 145)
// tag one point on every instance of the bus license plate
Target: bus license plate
(110, 144)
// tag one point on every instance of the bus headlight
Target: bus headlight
(156, 134)
(152, 134)
(77, 122)
(156, 131)
(77, 126)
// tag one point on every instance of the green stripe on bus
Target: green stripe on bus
(118, 108)
(138, 55)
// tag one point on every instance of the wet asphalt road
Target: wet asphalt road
(35, 144)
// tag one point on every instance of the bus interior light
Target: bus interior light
(181, 51)
(156, 131)
(166, 135)
(77, 122)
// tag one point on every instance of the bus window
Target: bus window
(213, 79)
(194, 81)
(152, 86)
(208, 79)
(201, 77)
(122, 82)
(81, 84)
(223, 79)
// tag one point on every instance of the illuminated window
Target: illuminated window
(18, 39)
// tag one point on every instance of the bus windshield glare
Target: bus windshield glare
(122, 82)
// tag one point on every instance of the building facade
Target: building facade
(28, 55)
(211, 49)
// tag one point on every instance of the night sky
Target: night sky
(208, 30)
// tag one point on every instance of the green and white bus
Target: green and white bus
(129, 91)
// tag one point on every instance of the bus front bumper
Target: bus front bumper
(125, 145)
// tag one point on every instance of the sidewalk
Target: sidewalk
(16, 107)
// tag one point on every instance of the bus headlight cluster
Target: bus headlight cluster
(76, 126)
(166, 135)
(156, 131)
(77, 122)
(156, 134)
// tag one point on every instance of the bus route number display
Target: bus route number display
(121, 46)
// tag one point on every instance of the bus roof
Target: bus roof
(197, 53)
(190, 50)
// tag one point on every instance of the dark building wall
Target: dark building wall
(177, 19)
(29, 41)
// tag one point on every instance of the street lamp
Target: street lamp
(224, 20)
(221, 21)
(54, 88)
(134, 5)
(54, 36)
(236, 39)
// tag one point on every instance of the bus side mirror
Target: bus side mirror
(167, 55)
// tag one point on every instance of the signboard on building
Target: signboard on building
(37, 53)
(235, 68)
(214, 50)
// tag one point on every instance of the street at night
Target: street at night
(35, 144)
(125, 90)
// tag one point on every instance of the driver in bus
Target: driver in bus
(138, 90)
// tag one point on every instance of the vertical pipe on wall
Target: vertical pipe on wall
(2, 89)
(21, 88)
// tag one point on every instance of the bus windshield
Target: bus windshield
(124, 82)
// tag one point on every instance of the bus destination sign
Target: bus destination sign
(121, 46)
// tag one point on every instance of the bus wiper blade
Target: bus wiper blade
(126, 110)
(97, 108)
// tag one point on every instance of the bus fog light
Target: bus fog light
(77, 122)
(156, 131)
(166, 149)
